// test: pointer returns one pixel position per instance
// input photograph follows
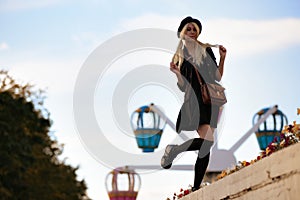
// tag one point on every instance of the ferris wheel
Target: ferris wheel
(148, 123)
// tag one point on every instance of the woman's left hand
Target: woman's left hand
(219, 73)
(222, 51)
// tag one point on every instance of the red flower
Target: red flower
(186, 192)
(258, 157)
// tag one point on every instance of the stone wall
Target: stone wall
(274, 177)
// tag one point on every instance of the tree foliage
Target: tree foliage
(29, 164)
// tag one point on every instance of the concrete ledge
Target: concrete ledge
(273, 177)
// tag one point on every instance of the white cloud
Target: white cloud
(57, 76)
(245, 37)
(241, 37)
(16, 5)
(3, 46)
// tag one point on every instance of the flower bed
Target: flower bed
(289, 135)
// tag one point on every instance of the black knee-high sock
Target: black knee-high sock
(190, 145)
(200, 169)
(202, 163)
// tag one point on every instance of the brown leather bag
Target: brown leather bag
(212, 93)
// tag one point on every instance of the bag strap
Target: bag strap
(198, 76)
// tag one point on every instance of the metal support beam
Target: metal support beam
(253, 129)
(155, 167)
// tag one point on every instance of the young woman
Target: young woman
(194, 57)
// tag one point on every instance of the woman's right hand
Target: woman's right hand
(174, 68)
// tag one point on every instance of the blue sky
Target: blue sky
(46, 42)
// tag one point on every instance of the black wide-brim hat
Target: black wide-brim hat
(187, 20)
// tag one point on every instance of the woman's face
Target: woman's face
(191, 31)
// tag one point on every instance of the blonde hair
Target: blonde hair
(200, 48)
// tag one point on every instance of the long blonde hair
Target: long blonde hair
(199, 52)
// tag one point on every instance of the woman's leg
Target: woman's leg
(200, 169)
(202, 163)
(191, 145)
(173, 150)
(204, 131)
